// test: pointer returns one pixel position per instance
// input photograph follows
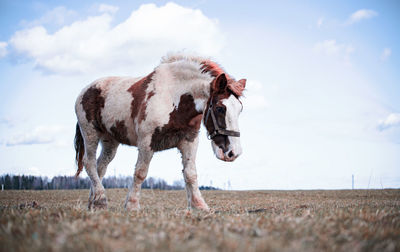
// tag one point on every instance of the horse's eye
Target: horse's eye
(220, 110)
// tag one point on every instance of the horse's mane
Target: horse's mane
(207, 66)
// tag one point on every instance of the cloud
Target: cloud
(40, 135)
(332, 48)
(393, 120)
(94, 45)
(105, 8)
(3, 49)
(386, 54)
(7, 121)
(360, 15)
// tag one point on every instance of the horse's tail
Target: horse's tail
(80, 149)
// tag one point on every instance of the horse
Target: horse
(157, 112)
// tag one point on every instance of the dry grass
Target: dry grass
(243, 221)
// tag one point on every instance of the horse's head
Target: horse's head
(222, 116)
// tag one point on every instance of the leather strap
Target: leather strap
(217, 129)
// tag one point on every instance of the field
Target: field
(359, 220)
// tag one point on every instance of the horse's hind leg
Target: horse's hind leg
(97, 197)
(108, 150)
(188, 150)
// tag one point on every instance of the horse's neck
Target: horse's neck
(188, 79)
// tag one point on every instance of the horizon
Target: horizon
(224, 188)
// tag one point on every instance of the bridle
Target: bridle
(217, 130)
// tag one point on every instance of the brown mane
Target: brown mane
(214, 69)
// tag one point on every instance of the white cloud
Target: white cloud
(93, 45)
(39, 135)
(332, 48)
(3, 49)
(360, 15)
(386, 54)
(105, 8)
(7, 121)
(393, 120)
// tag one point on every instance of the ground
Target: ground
(357, 220)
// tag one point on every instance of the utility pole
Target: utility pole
(352, 181)
(115, 178)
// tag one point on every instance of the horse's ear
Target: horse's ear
(220, 83)
(242, 83)
(237, 87)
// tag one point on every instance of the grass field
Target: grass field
(358, 220)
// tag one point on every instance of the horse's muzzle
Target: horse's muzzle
(228, 156)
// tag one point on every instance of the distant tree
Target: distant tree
(29, 182)
(208, 188)
(178, 184)
(15, 183)
(7, 183)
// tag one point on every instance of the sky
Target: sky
(323, 85)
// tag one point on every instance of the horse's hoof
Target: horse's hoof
(200, 204)
(132, 205)
(202, 208)
(99, 203)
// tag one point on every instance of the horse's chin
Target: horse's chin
(219, 153)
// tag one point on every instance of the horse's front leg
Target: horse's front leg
(189, 150)
(142, 166)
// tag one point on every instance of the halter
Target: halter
(217, 129)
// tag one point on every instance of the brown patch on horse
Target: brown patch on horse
(120, 132)
(196, 121)
(92, 103)
(143, 115)
(184, 123)
(138, 91)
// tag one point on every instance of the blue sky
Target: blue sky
(322, 100)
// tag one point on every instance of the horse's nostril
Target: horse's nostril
(230, 154)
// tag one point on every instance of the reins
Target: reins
(217, 129)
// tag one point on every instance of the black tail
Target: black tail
(80, 150)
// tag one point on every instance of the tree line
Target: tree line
(29, 182)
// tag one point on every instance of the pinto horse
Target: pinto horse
(160, 111)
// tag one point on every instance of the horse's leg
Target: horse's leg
(142, 166)
(189, 150)
(97, 198)
(108, 150)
